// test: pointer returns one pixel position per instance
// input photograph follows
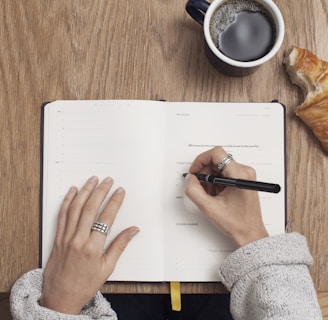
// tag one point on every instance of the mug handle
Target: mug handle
(197, 9)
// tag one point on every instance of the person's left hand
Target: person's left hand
(78, 265)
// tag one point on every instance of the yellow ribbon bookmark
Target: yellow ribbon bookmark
(175, 296)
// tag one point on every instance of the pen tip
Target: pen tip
(184, 174)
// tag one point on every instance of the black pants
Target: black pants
(158, 307)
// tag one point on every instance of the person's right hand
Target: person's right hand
(236, 212)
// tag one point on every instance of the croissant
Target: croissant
(311, 74)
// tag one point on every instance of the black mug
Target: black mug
(232, 58)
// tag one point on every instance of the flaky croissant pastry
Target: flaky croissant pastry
(311, 74)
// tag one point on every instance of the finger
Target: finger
(239, 171)
(208, 159)
(196, 193)
(233, 169)
(76, 207)
(109, 213)
(62, 216)
(211, 159)
(91, 208)
(117, 247)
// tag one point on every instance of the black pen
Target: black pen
(238, 183)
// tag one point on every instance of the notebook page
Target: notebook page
(121, 139)
(254, 135)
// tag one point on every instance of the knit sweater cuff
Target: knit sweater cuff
(26, 293)
(284, 249)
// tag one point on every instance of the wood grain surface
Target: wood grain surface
(141, 49)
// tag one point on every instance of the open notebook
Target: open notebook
(146, 146)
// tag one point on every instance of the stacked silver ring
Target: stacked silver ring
(100, 227)
(225, 161)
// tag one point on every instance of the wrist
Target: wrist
(59, 305)
(243, 239)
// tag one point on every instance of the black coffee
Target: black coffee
(242, 30)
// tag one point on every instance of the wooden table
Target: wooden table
(141, 49)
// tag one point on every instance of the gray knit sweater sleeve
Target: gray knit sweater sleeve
(25, 295)
(269, 279)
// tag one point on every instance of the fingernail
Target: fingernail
(108, 180)
(134, 232)
(119, 190)
(92, 179)
(72, 189)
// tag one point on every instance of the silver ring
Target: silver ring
(101, 227)
(225, 161)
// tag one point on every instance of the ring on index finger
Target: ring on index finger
(225, 161)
